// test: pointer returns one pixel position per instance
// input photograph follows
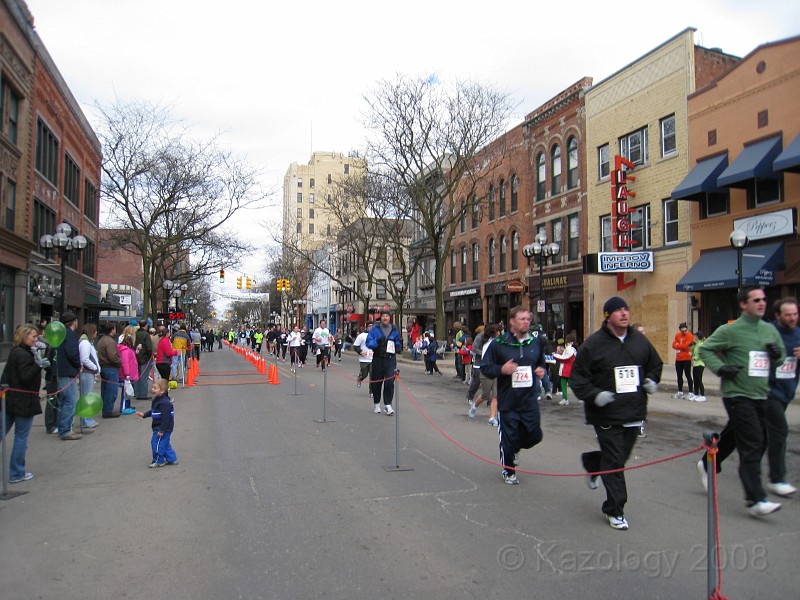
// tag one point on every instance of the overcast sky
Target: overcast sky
(268, 74)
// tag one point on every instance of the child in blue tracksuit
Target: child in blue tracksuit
(163, 415)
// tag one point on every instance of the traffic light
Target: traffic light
(248, 283)
(283, 285)
(213, 313)
(239, 283)
(222, 275)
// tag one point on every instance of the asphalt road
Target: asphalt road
(269, 503)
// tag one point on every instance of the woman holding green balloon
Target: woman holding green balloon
(23, 376)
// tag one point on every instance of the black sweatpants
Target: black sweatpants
(518, 430)
(383, 368)
(616, 443)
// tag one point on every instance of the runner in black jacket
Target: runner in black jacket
(616, 368)
(515, 359)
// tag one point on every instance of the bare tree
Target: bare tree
(430, 139)
(170, 196)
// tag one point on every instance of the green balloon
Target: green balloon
(89, 405)
(55, 332)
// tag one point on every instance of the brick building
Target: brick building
(744, 149)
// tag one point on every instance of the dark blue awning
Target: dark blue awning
(702, 179)
(754, 161)
(789, 159)
(717, 270)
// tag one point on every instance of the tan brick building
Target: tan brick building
(744, 151)
(640, 113)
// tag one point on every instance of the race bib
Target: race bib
(522, 377)
(389, 347)
(626, 379)
(758, 365)
(368, 353)
(788, 369)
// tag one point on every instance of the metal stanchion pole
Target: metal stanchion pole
(325, 418)
(294, 369)
(711, 438)
(396, 402)
(6, 495)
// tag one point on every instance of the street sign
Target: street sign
(541, 306)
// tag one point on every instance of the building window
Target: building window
(475, 256)
(762, 192)
(380, 289)
(311, 198)
(714, 205)
(605, 234)
(515, 251)
(603, 165)
(502, 200)
(555, 170)
(540, 176)
(503, 252)
(329, 177)
(299, 227)
(72, 180)
(640, 227)
(763, 118)
(712, 137)
(557, 231)
(299, 183)
(328, 230)
(299, 197)
(668, 145)
(475, 213)
(46, 153)
(347, 169)
(9, 205)
(88, 258)
(299, 213)
(572, 163)
(463, 264)
(310, 228)
(572, 241)
(491, 256)
(11, 102)
(514, 193)
(90, 201)
(453, 262)
(634, 146)
(311, 183)
(310, 213)
(44, 221)
(670, 221)
(462, 221)
(491, 203)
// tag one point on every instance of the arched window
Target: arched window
(491, 256)
(491, 203)
(503, 252)
(452, 266)
(475, 209)
(463, 218)
(555, 170)
(515, 251)
(502, 202)
(572, 163)
(540, 176)
(514, 193)
(475, 256)
(463, 264)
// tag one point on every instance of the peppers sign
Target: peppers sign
(625, 262)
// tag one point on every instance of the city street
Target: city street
(267, 502)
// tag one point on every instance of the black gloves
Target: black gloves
(774, 351)
(728, 371)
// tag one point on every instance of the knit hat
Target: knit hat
(612, 304)
(68, 317)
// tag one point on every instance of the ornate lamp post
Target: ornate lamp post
(739, 241)
(367, 296)
(542, 251)
(400, 286)
(65, 244)
(298, 302)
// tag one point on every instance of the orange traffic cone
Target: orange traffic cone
(274, 379)
(262, 366)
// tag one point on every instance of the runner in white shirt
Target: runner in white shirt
(364, 355)
(322, 338)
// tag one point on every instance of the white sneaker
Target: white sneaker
(781, 489)
(377, 409)
(563, 402)
(389, 410)
(593, 481)
(472, 411)
(700, 398)
(764, 507)
(549, 396)
(678, 396)
(618, 522)
(691, 397)
(701, 469)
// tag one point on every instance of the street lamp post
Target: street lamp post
(400, 286)
(542, 251)
(367, 296)
(65, 245)
(739, 240)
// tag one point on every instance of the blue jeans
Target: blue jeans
(162, 448)
(548, 385)
(22, 427)
(66, 405)
(108, 388)
(87, 386)
(141, 387)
